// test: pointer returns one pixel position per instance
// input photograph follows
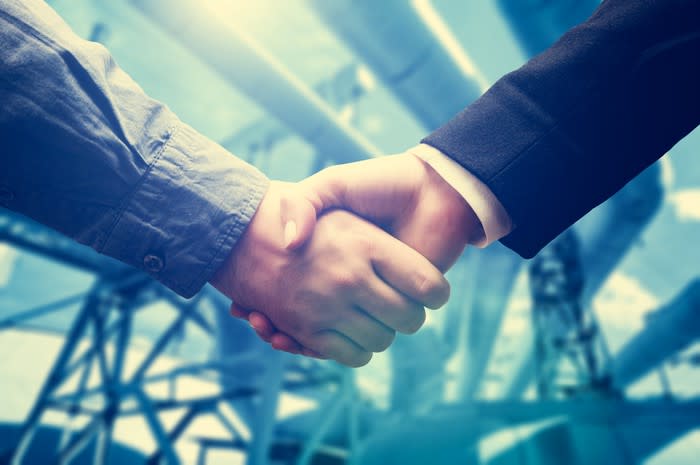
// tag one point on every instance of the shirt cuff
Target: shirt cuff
(493, 217)
(187, 212)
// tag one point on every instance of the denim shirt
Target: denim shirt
(85, 151)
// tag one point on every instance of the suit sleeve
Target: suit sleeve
(560, 135)
(85, 151)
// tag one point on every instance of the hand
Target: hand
(343, 293)
(405, 196)
(401, 193)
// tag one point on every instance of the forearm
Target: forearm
(560, 135)
(86, 152)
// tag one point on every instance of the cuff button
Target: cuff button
(153, 263)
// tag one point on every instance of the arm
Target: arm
(546, 143)
(86, 152)
(563, 133)
(550, 141)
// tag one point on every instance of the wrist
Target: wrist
(459, 212)
(493, 219)
(284, 221)
(255, 240)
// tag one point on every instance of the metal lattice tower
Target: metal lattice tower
(570, 351)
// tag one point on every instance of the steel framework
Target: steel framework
(581, 386)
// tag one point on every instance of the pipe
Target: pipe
(411, 51)
(668, 331)
(618, 225)
(253, 70)
(449, 434)
(418, 375)
(537, 24)
(498, 267)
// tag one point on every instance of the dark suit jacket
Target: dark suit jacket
(572, 126)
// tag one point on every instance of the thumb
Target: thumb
(325, 189)
(298, 218)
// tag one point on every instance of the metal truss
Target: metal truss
(570, 352)
(96, 347)
(572, 360)
(105, 321)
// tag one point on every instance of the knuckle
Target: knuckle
(344, 279)
(433, 290)
(385, 341)
(414, 321)
(307, 313)
(320, 320)
(360, 360)
(322, 345)
(364, 244)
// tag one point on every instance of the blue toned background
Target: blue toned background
(95, 370)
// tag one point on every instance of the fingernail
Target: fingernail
(290, 232)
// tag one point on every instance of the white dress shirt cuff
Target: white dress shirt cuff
(493, 217)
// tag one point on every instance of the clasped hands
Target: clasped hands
(333, 266)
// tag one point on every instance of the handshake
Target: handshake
(332, 266)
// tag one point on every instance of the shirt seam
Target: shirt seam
(117, 216)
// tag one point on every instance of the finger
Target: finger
(262, 322)
(334, 345)
(262, 336)
(381, 189)
(261, 325)
(409, 272)
(238, 311)
(312, 353)
(390, 307)
(298, 218)
(326, 188)
(283, 342)
(365, 331)
(269, 333)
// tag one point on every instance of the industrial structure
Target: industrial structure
(522, 366)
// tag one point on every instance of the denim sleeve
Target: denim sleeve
(84, 151)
